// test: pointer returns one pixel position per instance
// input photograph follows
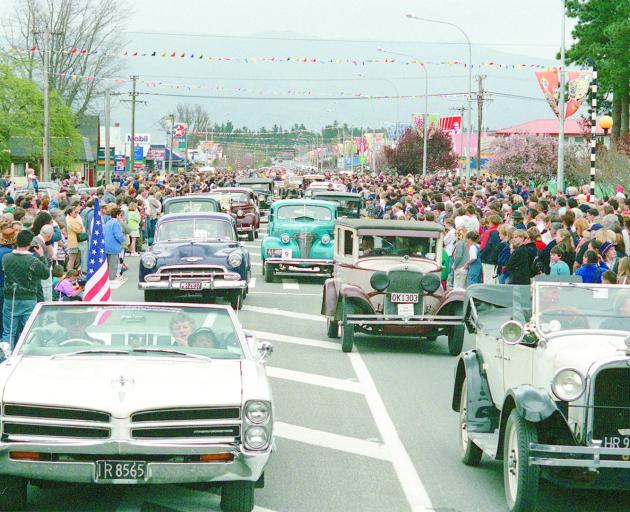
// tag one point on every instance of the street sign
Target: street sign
(180, 130)
(139, 138)
(121, 163)
(156, 153)
(138, 153)
(100, 157)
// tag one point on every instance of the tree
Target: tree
(21, 115)
(602, 36)
(535, 157)
(197, 119)
(90, 31)
(406, 157)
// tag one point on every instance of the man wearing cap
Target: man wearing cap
(517, 220)
(8, 233)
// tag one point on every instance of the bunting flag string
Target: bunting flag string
(354, 61)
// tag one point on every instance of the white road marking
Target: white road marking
(410, 482)
(290, 284)
(315, 380)
(284, 313)
(306, 342)
(255, 264)
(332, 441)
(252, 283)
(117, 283)
(251, 246)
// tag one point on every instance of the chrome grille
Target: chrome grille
(186, 432)
(305, 242)
(193, 272)
(611, 402)
(39, 430)
(55, 413)
(192, 414)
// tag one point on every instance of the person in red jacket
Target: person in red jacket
(489, 245)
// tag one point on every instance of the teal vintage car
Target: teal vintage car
(300, 239)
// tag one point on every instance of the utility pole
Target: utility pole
(45, 146)
(108, 176)
(134, 79)
(480, 100)
(170, 153)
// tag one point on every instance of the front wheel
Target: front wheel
(237, 496)
(347, 337)
(521, 480)
(250, 236)
(12, 493)
(236, 300)
(455, 339)
(151, 296)
(332, 328)
(471, 453)
(268, 272)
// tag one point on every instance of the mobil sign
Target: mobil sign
(139, 138)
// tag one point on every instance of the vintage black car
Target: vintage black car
(263, 187)
(349, 204)
(191, 203)
(195, 253)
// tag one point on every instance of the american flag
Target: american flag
(97, 285)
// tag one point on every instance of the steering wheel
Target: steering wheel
(568, 317)
(75, 342)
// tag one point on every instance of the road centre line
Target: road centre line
(290, 284)
(315, 380)
(412, 486)
(252, 283)
(284, 313)
(255, 264)
(332, 441)
(270, 336)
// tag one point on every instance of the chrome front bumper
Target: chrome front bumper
(245, 466)
(592, 457)
(302, 266)
(166, 282)
(425, 320)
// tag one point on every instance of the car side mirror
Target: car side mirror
(6, 349)
(265, 349)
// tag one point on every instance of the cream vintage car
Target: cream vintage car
(546, 390)
(386, 281)
(135, 394)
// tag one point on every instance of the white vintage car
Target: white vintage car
(547, 388)
(135, 394)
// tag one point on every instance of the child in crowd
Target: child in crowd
(558, 266)
(473, 265)
(609, 277)
(590, 271)
(57, 276)
(69, 288)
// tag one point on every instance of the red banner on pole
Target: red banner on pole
(577, 89)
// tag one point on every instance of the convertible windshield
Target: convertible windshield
(189, 206)
(377, 245)
(64, 330)
(195, 229)
(258, 187)
(564, 307)
(350, 208)
(234, 197)
(304, 211)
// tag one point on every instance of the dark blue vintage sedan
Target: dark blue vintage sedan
(195, 253)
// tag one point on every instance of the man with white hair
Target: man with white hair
(43, 240)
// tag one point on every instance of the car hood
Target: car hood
(581, 351)
(95, 382)
(303, 227)
(386, 263)
(203, 250)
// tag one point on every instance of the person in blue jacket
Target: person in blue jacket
(114, 239)
(590, 271)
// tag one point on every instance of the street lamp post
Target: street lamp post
(413, 17)
(561, 111)
(425, 116)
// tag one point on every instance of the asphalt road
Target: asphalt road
(369, 431)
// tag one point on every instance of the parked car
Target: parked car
(195, 254)
(191, 203)
(349, 204)
(322, 186)
(546, 388)
(387, 282)
(292, 187)
(135, 394)
(242, 204)
(300, 239)
(263, 187)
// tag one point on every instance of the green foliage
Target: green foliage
(21, 117)
(406, 157)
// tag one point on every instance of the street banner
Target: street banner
(120, 163)
(451, 124)
(577, 88)
(156, 153)
(433, 120)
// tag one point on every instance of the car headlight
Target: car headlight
(235, 259)
(568, 384)
(261, 197)
(512, 332)
(284, 238)
(326, 239)
(256, 438)
(239, 213)
(257, 412)
(149, 260)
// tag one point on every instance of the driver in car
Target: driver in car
(204, 338)
(73, 330)
(621, 322)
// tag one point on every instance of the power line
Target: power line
(310, 98)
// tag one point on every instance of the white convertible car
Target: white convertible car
(135, 394)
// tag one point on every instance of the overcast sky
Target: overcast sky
(525, 30)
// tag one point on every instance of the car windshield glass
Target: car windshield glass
(564, 307)
(98, 330)
(306, 211)
(195, 229)
(345, 207)
(190, 206)
(258, 187)
(375, 245)
(234, 197)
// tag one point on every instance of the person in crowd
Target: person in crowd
(519, 265)
(460, 257)
(590, 272)
(114, 239)
(558, 266)
(68, 287)
(504, 251)
(564, 240)
(133, 221)
(623, 271)
(450, 236)
(58, 273)
(517, 220)
(8, 235)
(609, 277)
(490, 246)
(23, 269)
(609, 258)
(181, 326)
(76, 233)
(473, 263)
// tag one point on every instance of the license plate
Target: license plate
(405, 310)
(408, 298)
(127, 470)
(190, 286)
(285, 254)
(616, 442)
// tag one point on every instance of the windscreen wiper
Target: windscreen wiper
(90, 351)
(172, 352)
